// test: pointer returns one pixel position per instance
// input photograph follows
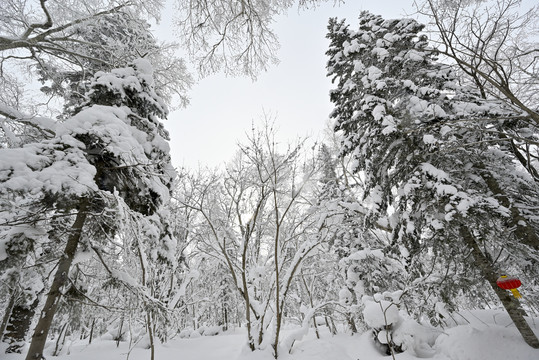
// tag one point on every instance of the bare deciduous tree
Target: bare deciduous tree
(257, 222)
(235, 36)
(495, 44)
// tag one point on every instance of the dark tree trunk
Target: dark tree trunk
(511, 305)
(91, 332)
(316, 328)
(60, 277)
(333, 326)
(7, 314)
(349, 316)
(351, 323)
(18, 325)
(59, 341)
(119, 336)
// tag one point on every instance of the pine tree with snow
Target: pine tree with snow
(113, 150)
(434, 170)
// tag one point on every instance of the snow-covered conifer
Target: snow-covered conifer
(434, 169)
(113, 149)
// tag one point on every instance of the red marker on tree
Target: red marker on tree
(510, 283)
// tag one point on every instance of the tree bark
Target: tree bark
(7, 314)
(226, 318)
(59, 341)
(333, 328)
(511, 304)
(245, 294)
(60, 277)
(351, 323)
(150, 334)
(91, 332)
(17, 327)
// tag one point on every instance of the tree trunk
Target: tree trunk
(245, 294)
(59, 341)
(333, 326)
(278, 301)
(311, 302)
(17, 326)
(91, 332)
(349, 316)
(16, 323)
(119, 336)
(351, 323)
(511, 304)
(7, 314)
(53, 297)
(316, 328)
(150, 334)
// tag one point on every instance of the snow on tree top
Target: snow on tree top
(143, 66)
(137, 78)
(381, 313)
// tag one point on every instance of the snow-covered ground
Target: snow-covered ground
(482, 335)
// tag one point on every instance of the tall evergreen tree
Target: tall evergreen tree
(434, 171)
(109, 39)
(113, 150)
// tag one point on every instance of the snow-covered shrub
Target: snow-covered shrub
(186, 333)
(395, 331)
(381, 314)
(416, 339)
(212, 330)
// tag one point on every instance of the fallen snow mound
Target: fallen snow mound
(488, 342)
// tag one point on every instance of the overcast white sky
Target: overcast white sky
(295, 92)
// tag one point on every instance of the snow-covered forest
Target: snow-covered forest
(410, 230)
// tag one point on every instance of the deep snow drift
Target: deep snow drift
(481, 335)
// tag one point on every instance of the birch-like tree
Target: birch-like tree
(257, 222)
(236, 37)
